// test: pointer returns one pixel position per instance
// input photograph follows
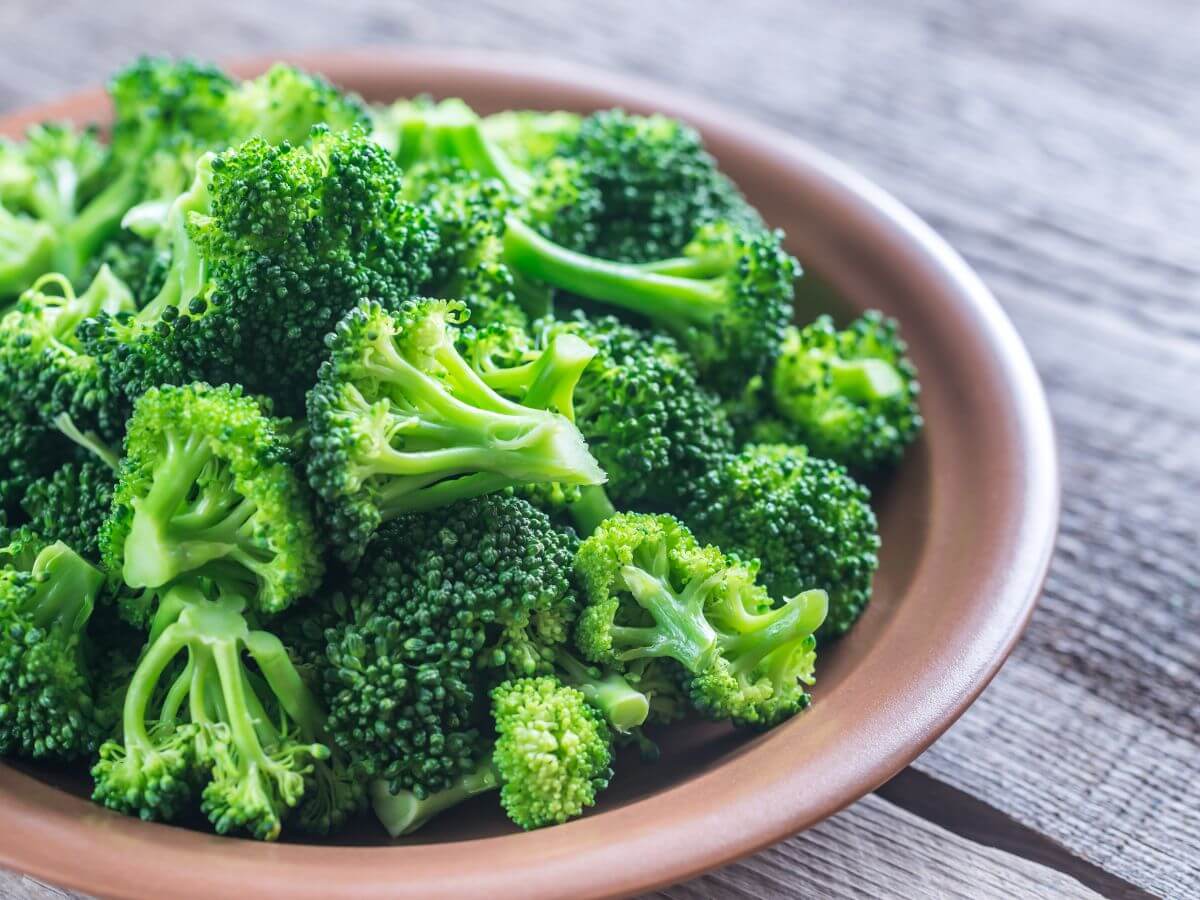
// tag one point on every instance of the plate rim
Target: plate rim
(583, 854)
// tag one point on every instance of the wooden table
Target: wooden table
(1056, 144)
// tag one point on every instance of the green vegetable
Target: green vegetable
(805, 519)
(653, 592)
(401, 423)
(849, 395)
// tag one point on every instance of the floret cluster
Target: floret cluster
(392, 456)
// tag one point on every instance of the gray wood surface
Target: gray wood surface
(1054, 143)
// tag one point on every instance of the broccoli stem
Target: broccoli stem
(592, 508)
(670, 299)
(481, 155)
(863, 380)
(88, 440)
(623, 705)
(82, 236)
(549, 381)
(397, 499)
(66, 591)
(680, 631)
(403, 813)
(798, 617)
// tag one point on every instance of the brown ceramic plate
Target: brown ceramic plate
(968, 524)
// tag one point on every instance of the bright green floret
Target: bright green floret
(654, 592)
(553, 751)
(216, 711)
(850, 395)
(401, 423)
(44, 366)
(444, 606)
(805, 519)
(207, 487)
(47, 700)
(530, 137)
(727, 299)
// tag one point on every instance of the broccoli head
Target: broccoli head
(657, 185)
(850, 395)
(553, 751)
(653, 591)
(216, 708)
(47, 702)
(446, 605)
(43, 362)
(207, 487)
(807, 521)
(401, 423)
(72, 504)
(728, 299)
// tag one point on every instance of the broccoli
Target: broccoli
(468, 213)
(657, 185)
(47, 700)
(849, 395)
(649, 423)
(654, 592)
(728, 299)
(270, 247)
(43, 364)
(216, 706)
(401, 423)
(552, 195)
(807, 521)
(206, 487)
(552, 756)
(531, 137)
(72, 504)
(403, 812)
(445, 605)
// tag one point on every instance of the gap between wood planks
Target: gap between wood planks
(974, 820)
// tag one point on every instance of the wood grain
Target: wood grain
(1054, 143)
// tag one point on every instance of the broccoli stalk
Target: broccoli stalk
(196, 713)
(403, 812)
(623, 706)
(728, 298)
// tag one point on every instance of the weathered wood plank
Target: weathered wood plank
(876, 849)
(1053, 142)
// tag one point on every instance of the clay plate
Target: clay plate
(968, 525)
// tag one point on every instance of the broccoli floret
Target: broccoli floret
(401, 423)
(206, 487)
(43, 363)
(657, 185)
(47, 705)
(553, 751)
(851, 395)
(216, 707)
(531, 137)
(284, 103)
(728, 299)
(72, 504)
(446, 605)
(468, 212)
(552, 756)
(654, 592)
(270, 247)
(807, 521)
(648, 421)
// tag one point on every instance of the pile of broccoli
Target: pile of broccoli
(386, 457)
